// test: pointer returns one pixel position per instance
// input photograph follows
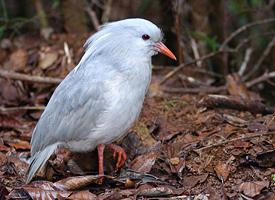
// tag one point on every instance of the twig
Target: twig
(247, 56)
(261, 59)
(178, 68)
(93, 17)
(194, 47)
(261, 78)
(236, 103)
(221, 49)
(244, 28)
(29, 78)
(236, 139)
(195, 90)
(67, 53)
(9, 109)
(107, 11)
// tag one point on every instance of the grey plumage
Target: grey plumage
(101, 98)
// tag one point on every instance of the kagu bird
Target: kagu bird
(101, 98)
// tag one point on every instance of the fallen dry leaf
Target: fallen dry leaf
(47, 189)
(174, 161)
(46, 59)
(3, 192)
(117, 194)
(4, 148)
(236, 87)
(82, 195)
(18, 60)
(157, 191)
(76, 182)
(9, 122)
(192, 181)
(222, 170)
(3, 159)
(20, 145)
(20, 193)
(252, 189)
(144, 163)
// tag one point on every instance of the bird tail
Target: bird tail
(38, 160)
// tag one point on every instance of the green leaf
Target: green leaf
(211, 42)
(55, 3)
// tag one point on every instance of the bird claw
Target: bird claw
(119, 155)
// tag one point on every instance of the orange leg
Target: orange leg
(100, 151)
(118, 154)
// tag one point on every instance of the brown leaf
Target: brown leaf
(236, 87)
(77, 182)
(117, 194)
(20, 145)
(256, 127)
(174, 161)
(144, 163)
(4, 148)
(252, 189)
(18, 60)
(20, 193)
(192, 181)
(167, 129)
(83, 195)
(9, 94)
(222, 170)
(157, 191)
(3, 192)
(3, 159)
(21, 167)
(9, 122)
(45, 189)
(46, 59)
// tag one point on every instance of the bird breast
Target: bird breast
(126, 96)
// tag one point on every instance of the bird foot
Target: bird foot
(119, 155)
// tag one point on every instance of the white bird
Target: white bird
(101, 98)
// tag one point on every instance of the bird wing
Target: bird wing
(72, 111)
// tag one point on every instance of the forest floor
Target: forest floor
(184, 146)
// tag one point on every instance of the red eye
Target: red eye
(145, 37)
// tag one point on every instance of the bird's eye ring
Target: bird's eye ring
(145, 37)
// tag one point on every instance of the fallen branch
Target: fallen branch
(236, 139)
(10, 109)
(178, 68)
(244, 64)
(236, 103)
(93, 17)
(194, 90)
(244, 28)
(266, 76)
(28, 78)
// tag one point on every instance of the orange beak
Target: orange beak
(164, 50)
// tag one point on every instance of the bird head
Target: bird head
(130, 38)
